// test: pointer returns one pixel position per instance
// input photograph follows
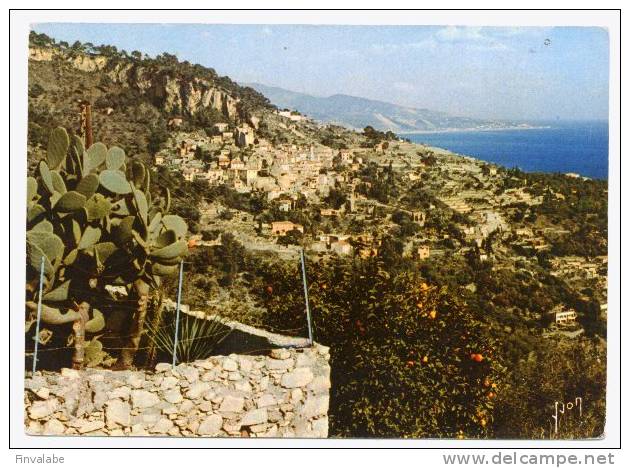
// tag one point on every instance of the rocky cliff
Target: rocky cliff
(169, 91)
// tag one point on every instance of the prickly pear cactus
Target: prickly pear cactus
(91, 217)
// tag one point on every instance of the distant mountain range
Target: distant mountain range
(357, 112)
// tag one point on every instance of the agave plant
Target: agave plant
(197, 337)
(91, 218)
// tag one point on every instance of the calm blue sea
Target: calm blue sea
(580, 147)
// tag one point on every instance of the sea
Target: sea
(566, 147)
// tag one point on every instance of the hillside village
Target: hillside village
(338, 180)
(292, 178)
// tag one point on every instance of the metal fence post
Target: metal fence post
(308, 308)
(179, 302)
(39, 312)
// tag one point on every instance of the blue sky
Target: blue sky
(505, 73)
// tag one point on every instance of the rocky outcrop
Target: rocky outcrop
(88, 63)
(284, 393)
(42, 54)
(185, 95)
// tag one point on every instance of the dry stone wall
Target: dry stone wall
(283, 393)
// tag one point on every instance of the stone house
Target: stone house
(280, 228)
(346, 156)
(285, 204)
(341, 247)
(190, 173)
(224, 161)
(249, 176)
(221, 127)
(244, 136)
(423, 252)
(329, 212)
(565, 317)
(237, 164)
(214, 175)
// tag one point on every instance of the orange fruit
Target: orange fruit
(476, 357)
(425, 359)
(432, 314)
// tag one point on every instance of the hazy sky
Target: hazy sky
(510, 73)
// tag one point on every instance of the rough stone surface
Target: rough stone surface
(162, 426)
(54, 427)
(90, 426)
(144, 399)
(253, 417)
(41, 409)
(232, 404)
(282, 394)
(173, 396)
(297, 378)
(117, 412)
(210, 426)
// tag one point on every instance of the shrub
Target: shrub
(560, 371)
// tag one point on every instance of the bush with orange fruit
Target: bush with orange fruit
(408, 358)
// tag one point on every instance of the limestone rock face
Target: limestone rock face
(187, 95)
(89, 64)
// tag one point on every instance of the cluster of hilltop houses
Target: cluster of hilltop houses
(247, 164)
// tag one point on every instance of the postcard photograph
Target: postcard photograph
(316, 231)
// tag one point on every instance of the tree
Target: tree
(232, 254)
(293, 237)
(157, 138)
(336, 198)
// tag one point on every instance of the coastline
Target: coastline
(479, 160)
(468, 130)
(566, 148)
